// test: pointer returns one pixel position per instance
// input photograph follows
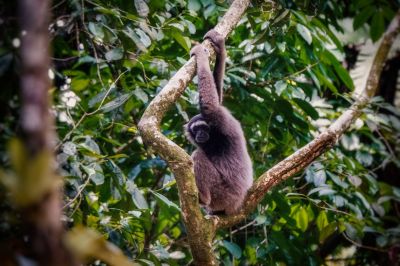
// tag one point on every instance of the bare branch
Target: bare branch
(303, 157)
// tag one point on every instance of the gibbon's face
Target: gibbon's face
(199, 131)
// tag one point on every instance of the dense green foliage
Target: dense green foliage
(286, 81)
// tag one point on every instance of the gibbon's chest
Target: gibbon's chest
(218, 144)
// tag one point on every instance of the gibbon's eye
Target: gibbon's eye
(199, 125)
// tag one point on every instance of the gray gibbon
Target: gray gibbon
(222, 165)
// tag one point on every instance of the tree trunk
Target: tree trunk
(42, 218)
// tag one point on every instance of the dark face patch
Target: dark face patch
(201, 136)
(200, 131)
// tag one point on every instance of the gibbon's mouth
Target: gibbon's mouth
(202, 137)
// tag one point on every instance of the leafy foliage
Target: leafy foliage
(285, 82)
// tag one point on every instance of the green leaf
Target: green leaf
(377, 26)
(117, 102)
(135, 38)
(327, 82)
(304, 32)
(301, 218)
(327, 231)
(322, 220)
(142, 8)
(209, 10)
(344, 75)
(165, 200)
(191, 27)
(363, 17)
(95, 173)
(137, 196)
(143, 37)
(194, 5)
(284, 107)
(280, 86)
(236, 78)
(178, 26)
(114, 54)
(79, 84)
(182, 40)
(97, 30)
(365, 158)
(314, 78)
(260, 219)
(307, 108)
(233, 248)
(141, 95)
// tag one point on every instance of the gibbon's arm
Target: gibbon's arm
(219, 73)
(218, 43)
(209, 101)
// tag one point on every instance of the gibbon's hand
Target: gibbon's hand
(217, 40)
(200, 51)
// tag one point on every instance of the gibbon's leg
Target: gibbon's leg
(204, 171)
(218, 43)
(234, 206)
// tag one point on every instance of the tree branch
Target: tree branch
(303, 157)
(200, 230)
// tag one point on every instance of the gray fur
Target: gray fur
(222, 166)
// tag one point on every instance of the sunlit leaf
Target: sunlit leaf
(194, 5)
(117, 102)
(142, 8)
(304, 32)
(96, 29)
(114, 54)
(322, 220)
(233, 248)
(165, 200)
(86, 244)
(137, 196)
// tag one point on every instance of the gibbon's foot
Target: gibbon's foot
(211, 217)
(216, 213)
(199, 50)
(217, 40)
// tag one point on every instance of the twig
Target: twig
(78, 193)
(68, 135)
(362, 246)
(243, 227)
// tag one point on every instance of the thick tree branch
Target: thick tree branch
(200, 230)
(303, 157)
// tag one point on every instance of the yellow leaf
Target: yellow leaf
(86, 243)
